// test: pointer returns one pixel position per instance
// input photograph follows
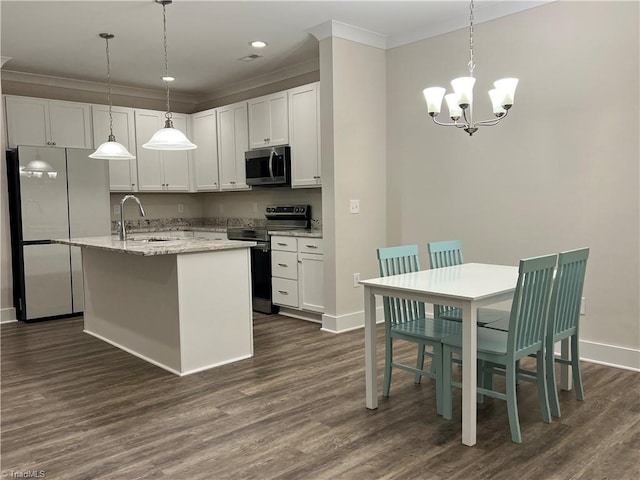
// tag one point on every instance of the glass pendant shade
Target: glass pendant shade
(433, 96)
(112, 150)
(463, 86)
(508, 87)
(453, 102)
(169, 138)
(497, 100)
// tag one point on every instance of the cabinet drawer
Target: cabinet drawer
(285, 292)
(284, 264)
(287, 244)
(310, 245)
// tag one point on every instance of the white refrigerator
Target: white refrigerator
(53, 193)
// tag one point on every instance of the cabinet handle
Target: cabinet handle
(312, 246)
(54, 143)
(133, 184)
(283, 265)
(282, 244)
(283, 292)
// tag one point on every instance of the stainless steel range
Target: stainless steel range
(278, 218)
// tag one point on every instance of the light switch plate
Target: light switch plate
(354, 206)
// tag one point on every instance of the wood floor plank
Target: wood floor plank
(78, 408)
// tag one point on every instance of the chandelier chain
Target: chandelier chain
(109, 88)
(166, 57)
(472, 65)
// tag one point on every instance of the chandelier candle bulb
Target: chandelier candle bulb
(433, 96)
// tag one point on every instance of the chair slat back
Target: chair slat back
(530, 307)
(566, 297)
(445, 254)
(394, 261)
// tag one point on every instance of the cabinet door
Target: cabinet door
(27, 121)
(304, 135)
(268, 121)
(175, 164)
(70, 124)
(278, 119)
(311, 282)
(205, 157)
(258, 122)
(232, 143)
(150, 175)
(123, 174)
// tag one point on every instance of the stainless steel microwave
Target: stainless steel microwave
(269, 166)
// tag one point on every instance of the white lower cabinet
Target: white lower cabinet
(297, 271)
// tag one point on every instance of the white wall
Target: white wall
(353, 124)
(561, 172)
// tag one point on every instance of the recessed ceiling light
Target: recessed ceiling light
(258, 44)
(168, 79)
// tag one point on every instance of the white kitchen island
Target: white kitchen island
(182, 304)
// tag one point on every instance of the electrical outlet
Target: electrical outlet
(356, 280)
(116, 210)
(255, 207)
(180, 208)
(583, 306)
(354, 206)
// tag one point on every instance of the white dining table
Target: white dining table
(468, 286)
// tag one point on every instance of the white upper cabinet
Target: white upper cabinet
(304, 135)
(233, 141)
(205, 157)
(268, 121)
(123, 174)
(42, 122)
(160, 170)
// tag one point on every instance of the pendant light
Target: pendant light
(110, 150)
(168, 138)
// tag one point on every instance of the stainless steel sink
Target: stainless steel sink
(151, 239)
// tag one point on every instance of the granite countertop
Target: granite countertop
(143, 230)
(313, 233)
(144, 244)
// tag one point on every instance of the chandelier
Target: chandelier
(168, 138)
(460, 102)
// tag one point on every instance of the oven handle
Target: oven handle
(264, 246)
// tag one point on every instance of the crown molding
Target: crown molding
(94, 87)
(308, 66)
(333, 28)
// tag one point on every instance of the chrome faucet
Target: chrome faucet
(122, 230)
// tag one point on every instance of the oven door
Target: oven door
(261, 278)
(268, 167)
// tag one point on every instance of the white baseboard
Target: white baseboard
(610, 355)
(348, 322)
(8, 315)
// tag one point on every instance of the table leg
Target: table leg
(370, 363)
(565, 377)
(469, 370)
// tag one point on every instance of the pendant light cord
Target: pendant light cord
(166, 62)
(111, 137)
(472, 65)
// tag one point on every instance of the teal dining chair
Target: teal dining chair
(564, 316)
(500, 351)
(447, 254)
(405, 320)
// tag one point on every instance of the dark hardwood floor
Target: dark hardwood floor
(74, 407)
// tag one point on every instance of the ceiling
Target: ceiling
(206, 39)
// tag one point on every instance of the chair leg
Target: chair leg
(446, 396)
(512, 403)
(437, 361)
(420, 362)
(388, 358)
(542, 387)
(552, 386)
(575, 368)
